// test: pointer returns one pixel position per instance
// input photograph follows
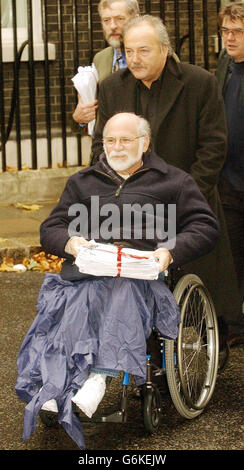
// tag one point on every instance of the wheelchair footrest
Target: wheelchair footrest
(115, 417)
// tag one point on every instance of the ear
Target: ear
(146, 143)
(165, 51)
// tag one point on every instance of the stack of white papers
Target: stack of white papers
(109, 260)
(85, 82)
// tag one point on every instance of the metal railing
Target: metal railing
(74, 27)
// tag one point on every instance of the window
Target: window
(7, 14)
(22, 30)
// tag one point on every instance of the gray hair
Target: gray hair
(158, 26)
(235, 11)
(132, 6)
(143, 128)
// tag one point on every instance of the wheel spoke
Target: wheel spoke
(192, 382)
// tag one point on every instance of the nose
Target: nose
(232, 34)
(135, 57)
(118, 145)
(113, 24)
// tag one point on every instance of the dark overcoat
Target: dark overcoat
(190, 133)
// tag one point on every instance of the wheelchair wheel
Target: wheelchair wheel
(192, 361)
(151, 410)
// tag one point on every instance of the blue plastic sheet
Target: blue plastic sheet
(103, 323)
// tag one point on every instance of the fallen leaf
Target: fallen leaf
(33, 265)
(11, 168)
(38, 262)
(5, 267)
(7, 264)
(8, 260)
(28, 207)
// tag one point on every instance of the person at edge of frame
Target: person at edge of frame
(230, 74)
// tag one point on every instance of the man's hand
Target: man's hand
(164, 258)
(73, 245)
(85, 113)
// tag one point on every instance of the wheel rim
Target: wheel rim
(196, 348)
(151, 410)
(181, 399)
(154, 411)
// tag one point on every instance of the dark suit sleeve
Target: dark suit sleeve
(212, 137)
(197, 228)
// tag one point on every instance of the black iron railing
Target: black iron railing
(74, 27)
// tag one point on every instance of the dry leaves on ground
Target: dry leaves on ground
(28, 207)
(38, 262)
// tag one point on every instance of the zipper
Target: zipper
(125, 181)
(117, 192)
(119, 189)
(102, 173)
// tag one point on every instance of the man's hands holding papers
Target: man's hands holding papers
(161, 255)
(164, 258)
(109, 260)
(74, 244)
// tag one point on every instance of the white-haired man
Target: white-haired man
(92, 326)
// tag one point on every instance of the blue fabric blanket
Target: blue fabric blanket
(102, 322)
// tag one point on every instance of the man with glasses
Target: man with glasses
(98, 325)
(230, 73)
(114, 15)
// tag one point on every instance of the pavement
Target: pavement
(19, 229)
(26, 199)
(219, 428)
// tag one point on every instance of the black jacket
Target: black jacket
(154, 183)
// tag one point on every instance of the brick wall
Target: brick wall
(64, 67)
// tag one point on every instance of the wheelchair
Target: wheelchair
(189, 365)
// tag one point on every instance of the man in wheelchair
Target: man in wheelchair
(93, 320)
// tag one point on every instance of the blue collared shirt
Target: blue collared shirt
(120, 57)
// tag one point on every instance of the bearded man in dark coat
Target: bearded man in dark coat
(186, 112)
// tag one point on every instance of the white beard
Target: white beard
(118, 164)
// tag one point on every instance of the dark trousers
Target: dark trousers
(233, 206)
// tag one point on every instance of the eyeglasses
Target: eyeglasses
(237, 33)
(125, 141)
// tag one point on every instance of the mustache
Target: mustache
(122, 153)
(134, 67)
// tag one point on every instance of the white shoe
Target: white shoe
(90, 394)
(50, 405)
